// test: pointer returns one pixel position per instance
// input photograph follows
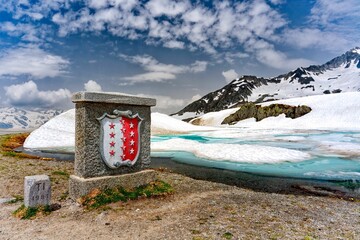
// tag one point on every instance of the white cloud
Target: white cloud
(212, 28)
(313, 37)
(277, 2)
(177, 24)
(332, 26)
(28, 94)
(33, 61)
(230, 75)
(25, 32)
(266, 53)
(97, 4)
(92, 86)
(279, 60)
(158, 72)
(151, 76)
(174, 44)
(231, 57)
(195, 98)
(165, 103)
(167, 7)
(327, 12)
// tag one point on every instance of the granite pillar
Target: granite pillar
(112, 134)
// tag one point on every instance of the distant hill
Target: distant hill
(341, 74)
(17, 119)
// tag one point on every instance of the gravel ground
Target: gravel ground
(197, 210)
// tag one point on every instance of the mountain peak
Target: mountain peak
(356, 50)
(16, 118)
(340, 74)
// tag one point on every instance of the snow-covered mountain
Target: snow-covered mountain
(341, 74)
(17, 119)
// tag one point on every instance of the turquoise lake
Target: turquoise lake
(335, 155)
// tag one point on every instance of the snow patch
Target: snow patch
(59, 132)
(231, 152)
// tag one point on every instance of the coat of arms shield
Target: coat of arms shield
(120, 138)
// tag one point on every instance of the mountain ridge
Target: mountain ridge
(340, 74)
(12, 118)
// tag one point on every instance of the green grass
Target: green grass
(352, 185)
(8, 143)
(9, 154)
(64, 196)
(98, 198)
(61, 173)
(307, 237)
(31, 212)
(227, 235)
(18, 198)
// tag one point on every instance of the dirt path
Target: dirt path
(197, 210)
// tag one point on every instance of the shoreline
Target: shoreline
(255, 182)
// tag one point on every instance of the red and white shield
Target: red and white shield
(120, 138)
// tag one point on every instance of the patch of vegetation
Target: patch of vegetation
(8, 144)
(352, 185)
(308, 237)
(61, 173)
(195, 231)
(98, 198)
(198, 238)
(9, 154)
(64, 196)
(17, 198)
(31, 212)
(227, 235)
(250, 110)
(157, 218)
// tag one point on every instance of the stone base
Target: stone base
(79, 187)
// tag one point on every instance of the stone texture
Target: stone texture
(88, 160)
(89, 168)
(37, 191)
(250, 110)
(81, 186)
(103, 97)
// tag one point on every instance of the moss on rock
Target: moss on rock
(250, 110)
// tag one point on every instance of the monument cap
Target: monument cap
(112, 97)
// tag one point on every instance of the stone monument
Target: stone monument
(112, 142)
(37, 191)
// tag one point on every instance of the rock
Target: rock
(250, 110)
(37, 191)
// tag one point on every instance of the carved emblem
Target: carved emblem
(120, 138)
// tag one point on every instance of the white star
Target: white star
(132, 151)
(132, 133)
(132, 142)
(131, 125)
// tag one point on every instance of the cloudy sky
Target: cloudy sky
(174, 51)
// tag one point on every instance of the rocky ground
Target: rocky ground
(197, 210)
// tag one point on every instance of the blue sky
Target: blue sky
(174, 51)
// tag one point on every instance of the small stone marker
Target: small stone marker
(112, 142)
(37, 191)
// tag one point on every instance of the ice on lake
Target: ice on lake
(324, 144)
(325, 155)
